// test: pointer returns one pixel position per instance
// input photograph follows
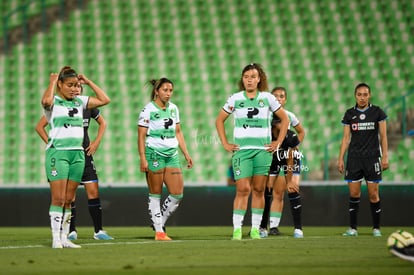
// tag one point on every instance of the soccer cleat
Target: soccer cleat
(69, 244)
(274, 231)
(351, 232)
(101, 235)
(73, 236)
(162, 236)
(297, 233)
(57, 244)
(376, 232)
(405, 253)
(255, 233)
(263, 233)
(237, 234)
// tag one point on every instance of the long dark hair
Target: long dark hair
(156, 84)
(262, 85)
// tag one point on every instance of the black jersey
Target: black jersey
(87, 115)
(364, 131)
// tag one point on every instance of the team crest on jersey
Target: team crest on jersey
(362, 116)
(54, 172)
(261, 103)
(173, 113)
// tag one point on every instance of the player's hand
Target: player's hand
(83, 79)
(189, 161)
(91, 149)
(272, 147)
(229, 147)
(53, 77)
(340, 166)
(384, 163)
(144, 165)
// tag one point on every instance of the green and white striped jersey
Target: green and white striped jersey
(66, 123)
(161, 127)
(252, 118)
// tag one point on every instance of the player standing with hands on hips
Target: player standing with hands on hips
(159, 136)
(65, 159)
(253, 147)
(365, 139)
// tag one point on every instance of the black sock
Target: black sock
(72, 226)
(296, 209)
(353, 212)
(376, 214)
(95, 210)
(268, 196)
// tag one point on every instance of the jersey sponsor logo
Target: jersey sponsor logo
(72, 112)
(168, 122)
(363, 126)
(245, 126)
(251, 111)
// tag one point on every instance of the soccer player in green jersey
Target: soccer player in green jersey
(65, 158)
(252, 148)
(159, 136)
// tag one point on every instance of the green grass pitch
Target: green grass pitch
(200, 250)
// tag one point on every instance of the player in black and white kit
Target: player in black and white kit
(365, 139)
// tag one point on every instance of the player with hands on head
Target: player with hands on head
(159, 136)
(365, 140)
(65, 158)
(252, 148)
(90, 177)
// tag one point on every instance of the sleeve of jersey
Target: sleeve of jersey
(383, 116)
(345, 119)
(177, 120)
(294, 121)
(274, 103)
(85, 100)
(95, 113)
(143, 119)
(229, 106)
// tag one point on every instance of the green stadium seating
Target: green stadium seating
(318, 50)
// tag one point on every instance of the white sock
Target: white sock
(67, 215)
(238, 217)
(56, 215)
(257, 214)
(169, 206)
(275, 219)
(155, 211)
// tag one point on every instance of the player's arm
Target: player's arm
(142, 134)
(100, 98)
(383, 143)
(41, 129)
(182, 145)
(284, 124)
(48, 95)
(221, 131)
(346, 138)
(300, 131)
(93, 146)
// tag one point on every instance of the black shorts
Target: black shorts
(358, 169)
(89, 172)
(279, 163)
